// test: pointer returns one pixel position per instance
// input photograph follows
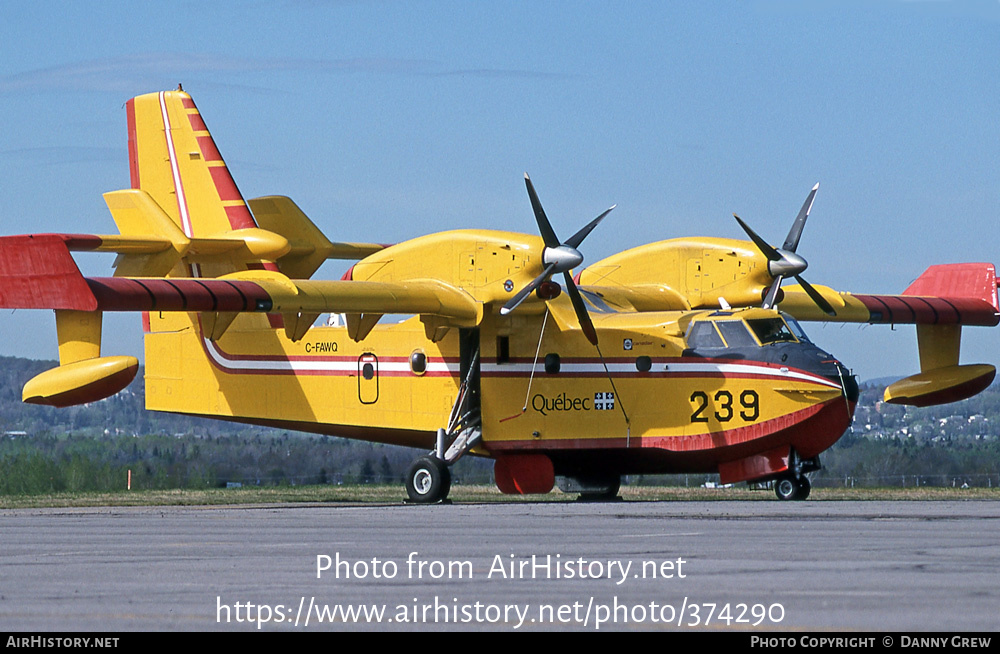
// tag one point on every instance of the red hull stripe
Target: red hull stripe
(809, 432)
(690, 443)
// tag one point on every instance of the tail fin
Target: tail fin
(173, 157)
(175, 163)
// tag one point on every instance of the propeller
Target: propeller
(784, 262)
(558, 257)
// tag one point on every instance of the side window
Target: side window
(703, 335)
(736, 334)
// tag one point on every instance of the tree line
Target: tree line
(93, 447)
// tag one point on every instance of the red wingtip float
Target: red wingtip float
(678, 356)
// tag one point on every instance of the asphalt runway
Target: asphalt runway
(873, 566)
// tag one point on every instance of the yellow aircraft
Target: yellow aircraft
(668, 358)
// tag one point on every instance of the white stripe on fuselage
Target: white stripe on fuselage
(306, 365)
(671, 368)
(487, 369)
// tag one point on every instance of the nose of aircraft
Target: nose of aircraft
(808, 357)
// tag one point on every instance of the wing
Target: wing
(38, 272)
(941, 301)
(949, 294)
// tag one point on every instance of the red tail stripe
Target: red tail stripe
(224, 184)
(197, 123)
(208, 150)
(239, 217)
(133, 151)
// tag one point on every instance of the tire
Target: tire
(787, 488)
(428, 480)
(804, 488)
(611, 493)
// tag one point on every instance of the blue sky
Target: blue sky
(386, 120)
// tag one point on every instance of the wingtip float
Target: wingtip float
(698, 370)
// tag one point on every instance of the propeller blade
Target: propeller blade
(524, 292)
(575, 240)
(816, 297)
(581, 309)
(766, 249)
(544, 227)
(772, 293)
(795, 233)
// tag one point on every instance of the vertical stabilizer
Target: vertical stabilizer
(173, 157)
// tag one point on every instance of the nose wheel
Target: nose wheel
(792, 488)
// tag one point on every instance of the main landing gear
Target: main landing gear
(428, 479)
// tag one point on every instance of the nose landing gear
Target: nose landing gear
(792, 488)
(795, 485)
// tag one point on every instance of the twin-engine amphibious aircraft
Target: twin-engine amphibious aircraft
(670, 357)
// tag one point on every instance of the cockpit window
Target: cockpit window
(703, 335)
(771, 330)
(736, 334)
(796, 328)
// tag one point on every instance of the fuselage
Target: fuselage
(673, 391)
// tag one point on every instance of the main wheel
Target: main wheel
(428, 480)
(804, 488)
(787, 488)
(607, 494)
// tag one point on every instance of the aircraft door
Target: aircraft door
(469, 355)
(368, 378)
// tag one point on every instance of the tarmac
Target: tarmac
(682, 566)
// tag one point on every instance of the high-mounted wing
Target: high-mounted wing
(38, 272)
(940, 302)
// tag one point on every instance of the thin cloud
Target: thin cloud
(63, 154)
(125, 73)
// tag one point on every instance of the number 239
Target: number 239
(749, 408)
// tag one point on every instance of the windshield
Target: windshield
(796, 328)
(771, 330)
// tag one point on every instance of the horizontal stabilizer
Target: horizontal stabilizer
(309, 246)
